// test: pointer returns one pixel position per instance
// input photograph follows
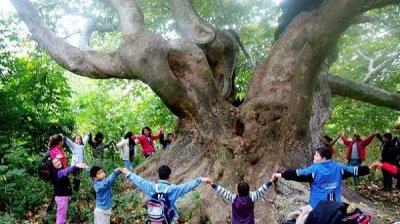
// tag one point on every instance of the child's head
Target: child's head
(356, 138)
(387, 137)
(164, 172)
(170, 137)
(146, 131)
(78, 139)
(56, 163)
(322, 154)
(55, 140)
(327, 139)
(129, 134)
(99, 137)
(243, 189)
(97, 173)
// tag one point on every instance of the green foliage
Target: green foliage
(35, 102)
(115, 107)
(127, 207)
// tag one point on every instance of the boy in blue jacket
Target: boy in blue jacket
(163, 185)
(325, 176)
(102, 187)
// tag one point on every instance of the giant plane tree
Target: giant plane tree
(277, 124)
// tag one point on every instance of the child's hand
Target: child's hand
(375, 165)
(207, 180)
(275, 177)
(81, 165)
(123, 170)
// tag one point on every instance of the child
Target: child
(168, 141)
(326, 176)
(56, 151)
(356, 150)
(243, 203)
(146, 140)
(97, 145)
(329, 143)
(62, 187)
(77, 147)
(163, 185)
(124, 147)
(102, 187)
(388, 154)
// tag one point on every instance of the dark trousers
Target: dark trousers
(387, 179)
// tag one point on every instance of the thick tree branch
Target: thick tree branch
(130, 16)
(92, 27)
(296, 58)
(353, 89)
(86, 63)
(190, 24)
(375, 71)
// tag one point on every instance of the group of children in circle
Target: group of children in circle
(324, 175)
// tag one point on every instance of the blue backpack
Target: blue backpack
(159, 209)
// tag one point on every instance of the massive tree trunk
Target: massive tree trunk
(275, 128)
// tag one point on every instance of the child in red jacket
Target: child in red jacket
(356, 150)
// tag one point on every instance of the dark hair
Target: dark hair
(147, 128)
(357, 136)
(324, 152)
(397, 126)
(170, 134)
(54, 140)
(128, 135)
(76, 136)
(328, 138)
(243, 189)
(388, 136)
(94, 170)
(98, 136)
(164, 172)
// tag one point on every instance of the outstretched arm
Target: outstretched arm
(368, 140)
(360, 171)
(65, 172)
(256, 195)
(292, 175)
(144, 185)
(106, 183)
(71, 145)
(182, 189)
(226, 194)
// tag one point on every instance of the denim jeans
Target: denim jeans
(355, 162)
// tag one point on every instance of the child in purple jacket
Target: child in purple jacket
(243, 202)
(62, 187)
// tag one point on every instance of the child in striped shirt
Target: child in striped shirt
(243, 202)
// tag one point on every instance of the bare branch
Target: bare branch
(130, 16)
(243, 48)
(85, 63)
(236, 36)
(92, 27)
(341, 86)
(373, 72)
(190, 24)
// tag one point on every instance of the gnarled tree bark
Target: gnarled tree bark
(278, 125)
